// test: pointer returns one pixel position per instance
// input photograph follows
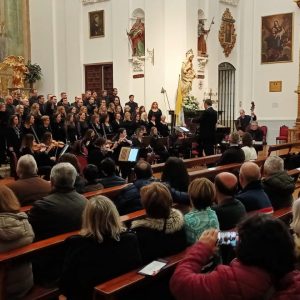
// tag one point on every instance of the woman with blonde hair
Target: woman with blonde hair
(202, 194)
(15, 232)
(103, 250)
(295, 225)
(161, 233)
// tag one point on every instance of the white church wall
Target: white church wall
(42, 41)
(60, 43)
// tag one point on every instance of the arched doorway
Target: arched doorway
(226, 93)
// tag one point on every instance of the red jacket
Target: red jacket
(236, 281)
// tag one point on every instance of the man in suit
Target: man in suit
(207, 129)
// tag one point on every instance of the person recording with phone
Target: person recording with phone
(264, 268)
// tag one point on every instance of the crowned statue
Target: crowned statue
(187, 74)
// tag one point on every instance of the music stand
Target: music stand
(146, 141)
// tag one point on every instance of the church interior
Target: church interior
(149, 149)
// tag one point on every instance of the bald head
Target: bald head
(226, 184)
(249, 172)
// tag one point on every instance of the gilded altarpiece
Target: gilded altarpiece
(14, 35)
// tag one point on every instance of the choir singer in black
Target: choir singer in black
(206, 132)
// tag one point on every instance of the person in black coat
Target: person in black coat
(109, 177)
(207, 129)
(103, 250)
(162, 232)
(129, 199)
(243, 121)
(229, 210)
(13, 135)
(234, 154)
(252, 194)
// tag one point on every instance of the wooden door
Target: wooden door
(99, 77)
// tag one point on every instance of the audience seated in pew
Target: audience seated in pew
(91, 174)
(249, 150)
(15, 232)
(234, 154)
(202, 194)
(73, 160)
(264, 268)
(295, 226)
(108, 170)
(252, 194)
(161, 232)
(129, 199)
(29, 187)
(229, 210)
(103, 250)
(55, 214)
(175, 174)
(277, 184)
(60, 211)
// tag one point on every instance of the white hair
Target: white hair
(273, 165)
(63, 175)
(26, 166)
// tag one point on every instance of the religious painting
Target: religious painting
(277, 38)
(96, 19)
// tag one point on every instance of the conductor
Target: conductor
(206, 132)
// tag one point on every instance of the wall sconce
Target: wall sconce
(297, 2)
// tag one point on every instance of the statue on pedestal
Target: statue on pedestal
(187, 74)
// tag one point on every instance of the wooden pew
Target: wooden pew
(110, 193)
(113, 289)
(191, 162)
(212, 172)
(286, 146)
(25, 253)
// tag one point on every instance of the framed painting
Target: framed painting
(96, 19)
(277, 38)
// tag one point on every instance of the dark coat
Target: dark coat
(253, 196)
(159, 237)
(207, 124)
(279, 188)
(130, 200)
(234, 154)
(111, 181)
(88, 263)
(230, 213)
(57, 213)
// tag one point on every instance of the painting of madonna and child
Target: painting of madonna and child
(277, 38)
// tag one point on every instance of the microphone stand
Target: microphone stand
(171, 112)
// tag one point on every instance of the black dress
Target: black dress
(157, 115)
(58, 131)
(13, 137)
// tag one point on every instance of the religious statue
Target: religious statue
(187, 74)
(202, 49)
(16, 63)
(136, 36)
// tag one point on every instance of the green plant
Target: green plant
(190, 103)
(34, 73)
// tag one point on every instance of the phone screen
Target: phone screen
(227, 238)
